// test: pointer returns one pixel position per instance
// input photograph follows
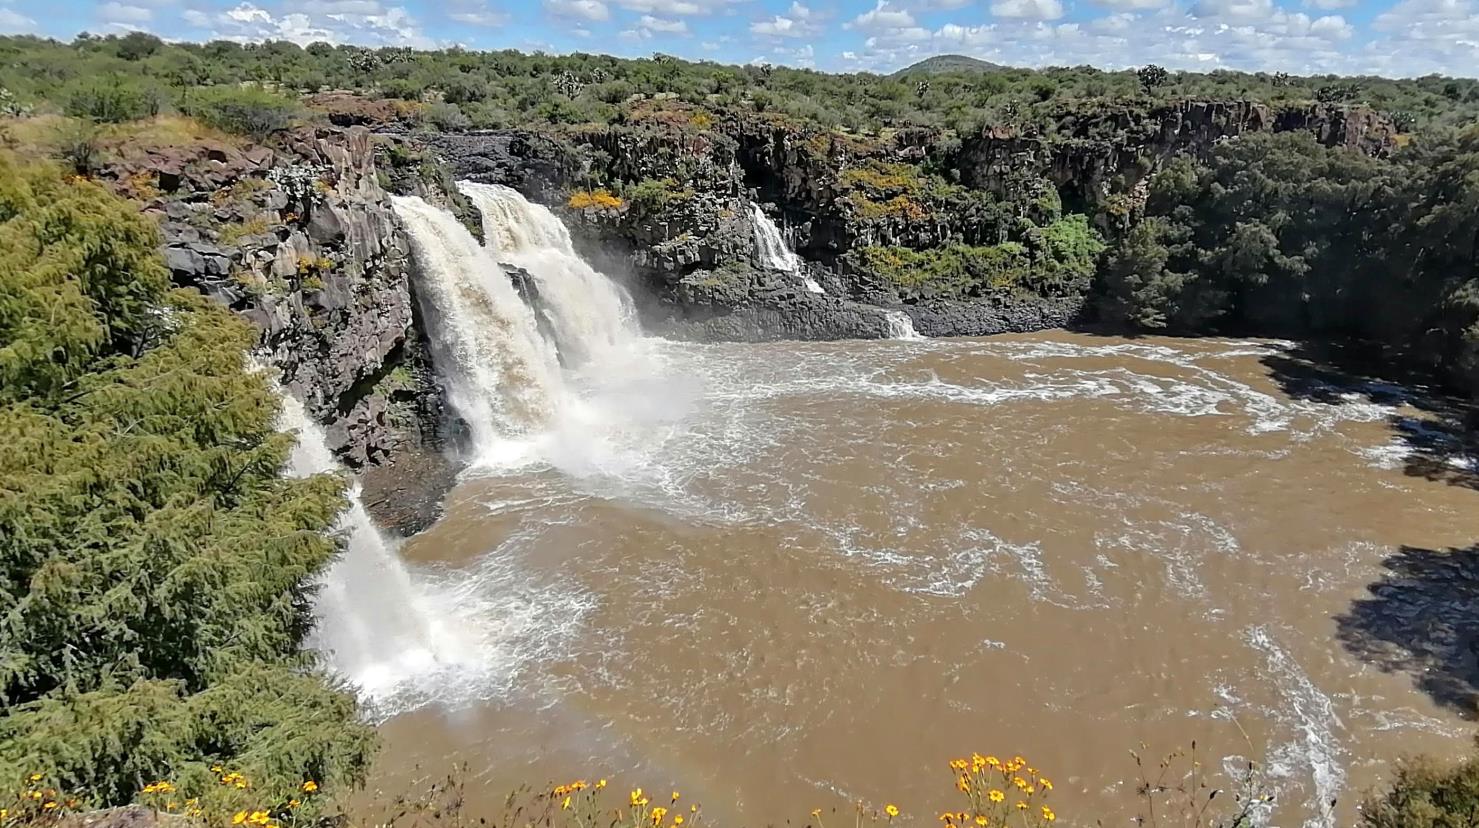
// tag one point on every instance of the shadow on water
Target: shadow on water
(1419, 619)
(1422, 616)
(1439, 438)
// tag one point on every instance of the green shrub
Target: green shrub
(1425, 795)
(112, 100)
(247, 110)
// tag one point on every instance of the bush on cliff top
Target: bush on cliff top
(156, 570)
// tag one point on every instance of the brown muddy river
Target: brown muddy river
(801, 575)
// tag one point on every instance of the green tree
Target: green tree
(156, 569)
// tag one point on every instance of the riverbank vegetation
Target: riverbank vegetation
(156, 569)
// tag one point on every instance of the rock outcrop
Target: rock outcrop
(302, 241)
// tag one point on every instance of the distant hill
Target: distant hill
(939, 64)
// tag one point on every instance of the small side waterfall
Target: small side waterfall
(900, 325)
(773, 251)
(593, 318)
(503, 379)
(376, 627)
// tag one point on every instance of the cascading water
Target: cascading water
(593, 318)
(773, 251)
(900, 326)
(503, 380)
(376, 626)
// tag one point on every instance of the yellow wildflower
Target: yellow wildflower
(601, 784)
(1021, 806)
(963, 785)
(978, 762)
(677, 819)
(657, 814)
(1045, 783)
(310, 786)
(48, 806)
(981, 821)
(959, 764)
(992, 761)
(241, 785)
(816, 812)
(637, 798)
(35, 794)
(891, 810)
(35, 777)
(258, 818)
(565, 806)
(1047, 814)
(675, 796)
(997, 796)
(293, 803)
(239, 818)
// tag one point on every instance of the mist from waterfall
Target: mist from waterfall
(773, 251)
(593, 319)
(376, 626)
(502, 377)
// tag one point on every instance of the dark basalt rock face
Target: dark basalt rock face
(1090, 150)
(301, 240)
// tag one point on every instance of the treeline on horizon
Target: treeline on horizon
(508, 88)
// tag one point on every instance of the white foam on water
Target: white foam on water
(406, 638)
(1311, 713)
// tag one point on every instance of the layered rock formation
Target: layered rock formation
(301, 240)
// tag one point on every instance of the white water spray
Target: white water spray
(593, 318)
(502, 378)
(900, 326)
(774, 252)
(377, 627)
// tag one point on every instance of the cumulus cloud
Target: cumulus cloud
(471, 12)
(582, 9)
(1028, 9)
(1233, 10)
(798, 21)
(674, 8)
(882, 17)
(113, 12)
(13, 22)
(370, 24)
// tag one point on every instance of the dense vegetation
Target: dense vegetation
(155, 568)
(508, 88)
(1276, 234)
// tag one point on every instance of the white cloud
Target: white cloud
(798, 21)
(480, 18)
(1028, 9)
(196, 17)
(1134, 5)
(657, 24)
(882, 17)
(113, 12)
(371, 25)
(1233, 10)
(1331, 4)
(582, 9)
(673, 8)
(13, 22)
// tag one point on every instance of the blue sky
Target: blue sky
(1389, 37)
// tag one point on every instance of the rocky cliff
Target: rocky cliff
(301, 240)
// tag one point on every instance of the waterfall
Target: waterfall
(774, 253)
(376, 627)
(592, 317)
(503, 380)
(900, 325)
